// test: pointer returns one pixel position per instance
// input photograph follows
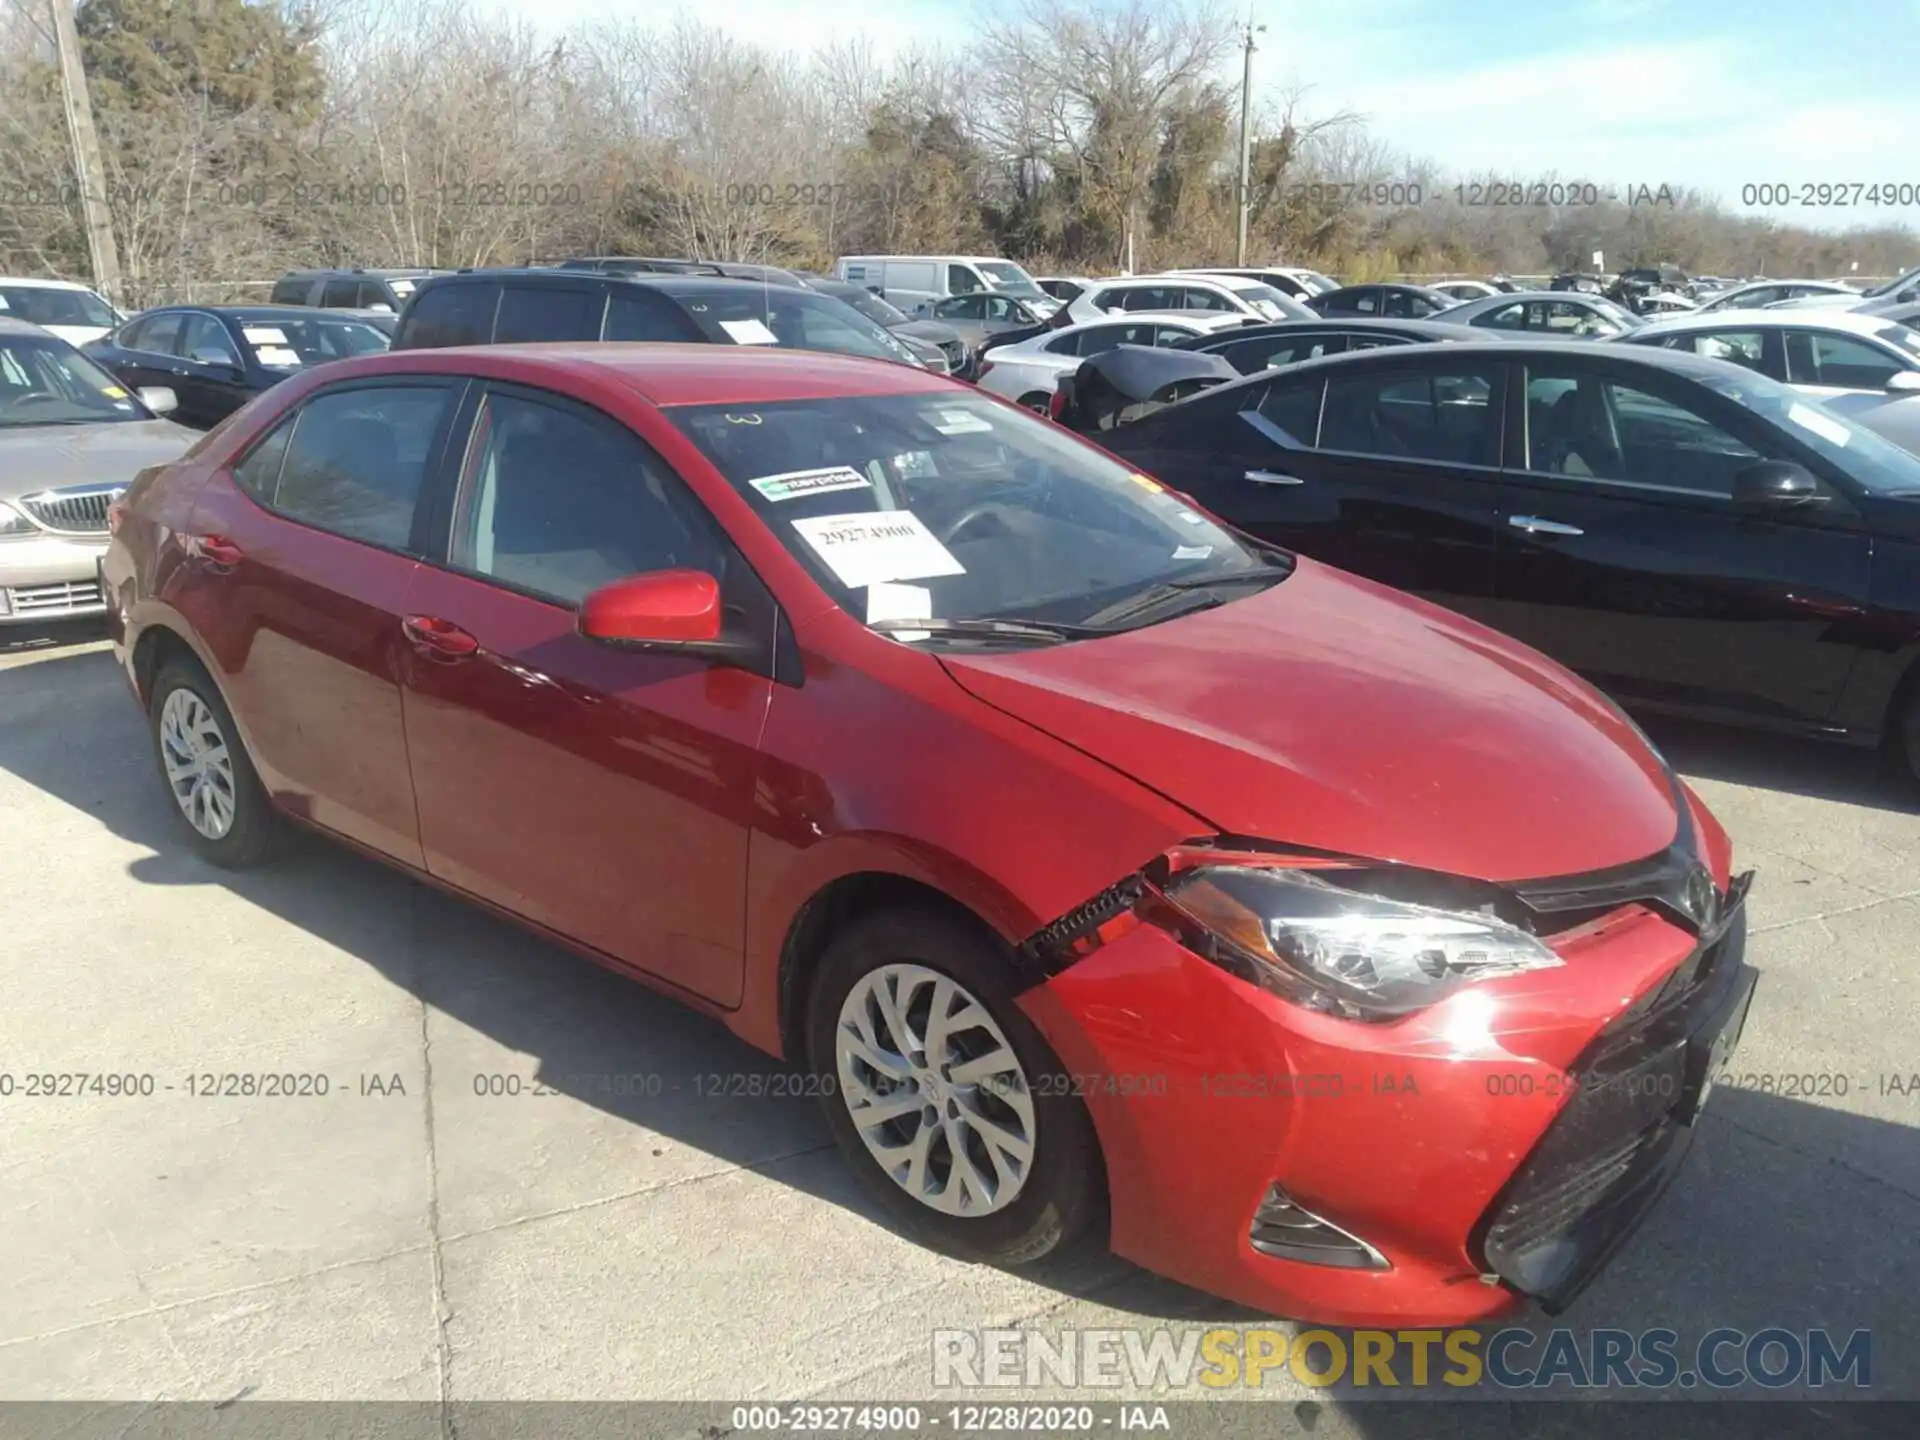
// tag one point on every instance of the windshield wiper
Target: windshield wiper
(987, 627)
(1155, 596)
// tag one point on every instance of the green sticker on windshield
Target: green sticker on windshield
(795, 484)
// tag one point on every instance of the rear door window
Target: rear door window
(647, 317)
(1445, 414)
(459, 314)
(357, 459)
(341, 294)
(1825, 357)
(545, 312)
(160, 335)
(291, 291)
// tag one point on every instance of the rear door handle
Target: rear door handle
(1273, 477)
(438, 639)
(214, 549)
(1534, 525)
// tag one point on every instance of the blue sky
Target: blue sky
(1703, 92)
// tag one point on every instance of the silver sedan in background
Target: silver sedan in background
(71, 440)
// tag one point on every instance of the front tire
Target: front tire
(1037, 401)
(945, 1099)
(215, 790)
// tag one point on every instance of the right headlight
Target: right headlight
(12, 522)
(1343, 951)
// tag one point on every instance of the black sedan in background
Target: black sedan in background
(1266, 347)
(1389, 301)
(1691, 535)
(216, 358)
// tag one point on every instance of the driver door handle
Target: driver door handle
(1534, 525)
(438, 639)
(1273, 477)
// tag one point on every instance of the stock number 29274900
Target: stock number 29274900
(838, 1418)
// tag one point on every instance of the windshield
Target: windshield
(44, 305)
(44, 381)
(870, 305)
(1901, 337)
(1010, 277)
(1897, 283)
(954, 506)
(1269, 301)
(1874, 463)
(294, 344)
(1614, 311)
(794, 319)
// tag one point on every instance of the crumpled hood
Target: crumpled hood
(42, 457)
(1335, 713)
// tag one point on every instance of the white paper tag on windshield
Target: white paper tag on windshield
(877, 546)
(401, 287)
(279, 357)
(1193, 552)
(959, 422)
(1825, 426)
(749, 332)
(888, 601)
(262, 335)
(798, 484)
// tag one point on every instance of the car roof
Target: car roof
(669, 283)
(41, 283)
(1866, 325)
(670, 374)
(1683, 362)
(252, 312)
(1439, 329)
(12, 325)
(401, 274)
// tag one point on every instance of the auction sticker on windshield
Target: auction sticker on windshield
(878, 546)
(749, 332)
(264, 336)
(798, 484)
(959, 422)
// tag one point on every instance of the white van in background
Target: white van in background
(914, 282)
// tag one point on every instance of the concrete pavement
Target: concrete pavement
(521, 1182)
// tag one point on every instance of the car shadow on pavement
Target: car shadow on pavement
(1787, 1214)
(1815, 769)
(587, 1032)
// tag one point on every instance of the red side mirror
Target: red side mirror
(666, 607)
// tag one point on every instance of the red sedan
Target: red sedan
(1116, 875)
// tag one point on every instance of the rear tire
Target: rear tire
(216, 793)
(965, 1130)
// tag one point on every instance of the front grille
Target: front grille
(1623, 1132)
(65, 597)
(76, 510)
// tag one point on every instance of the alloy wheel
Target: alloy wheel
(935, 1090)
(198, 763)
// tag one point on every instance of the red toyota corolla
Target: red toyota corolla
(1114, 875)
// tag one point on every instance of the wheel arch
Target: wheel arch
(838, 904)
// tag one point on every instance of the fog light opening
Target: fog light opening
(1287, 1230)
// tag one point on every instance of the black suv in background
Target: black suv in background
(367, 291)
(499, 307)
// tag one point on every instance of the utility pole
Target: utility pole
(1246, 140)
(87, 170)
